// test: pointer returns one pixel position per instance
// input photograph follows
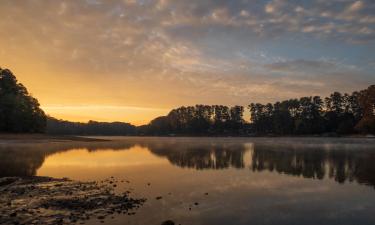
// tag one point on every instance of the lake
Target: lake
(206, 181)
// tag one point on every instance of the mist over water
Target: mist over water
(249, 181)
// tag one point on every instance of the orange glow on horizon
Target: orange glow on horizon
(104, 113)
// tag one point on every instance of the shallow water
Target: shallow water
(233, 180)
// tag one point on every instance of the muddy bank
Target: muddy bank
(44, 200)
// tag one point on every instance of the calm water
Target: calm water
(248, 181)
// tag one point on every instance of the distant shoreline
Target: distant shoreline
(46, 137)
(100, 138)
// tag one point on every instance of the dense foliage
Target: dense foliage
(198, 120)
(336, 114)
(55, 126)
(19, 111)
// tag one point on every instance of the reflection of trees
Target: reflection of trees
(316, 161)
(339, 164)
(20, 163)
(350, 166)
(202, 155)
(26, 159)
(309, 164)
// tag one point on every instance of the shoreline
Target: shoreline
(31, 138)
(47, 137)
(47, 200)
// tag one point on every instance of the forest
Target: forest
(337, 114)
(55, 126)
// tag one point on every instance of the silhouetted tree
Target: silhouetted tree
(283, 122)
(309, 119)
(261, 116)
(236, 118)
(367, 103)
(19, 111)
(221, 117)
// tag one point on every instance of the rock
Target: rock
(168, 222)
(159, 197)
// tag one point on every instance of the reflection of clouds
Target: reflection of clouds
(264, 181)
(273, 183)
(82, 158)
(283, 198)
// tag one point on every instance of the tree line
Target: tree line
(55, 126)
(335, 114)
(198, 120)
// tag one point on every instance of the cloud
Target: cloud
(301, 66)
(181, 52)
(274, 6)
(356, 6)
(315, 75)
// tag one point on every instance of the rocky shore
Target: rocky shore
(45, 200)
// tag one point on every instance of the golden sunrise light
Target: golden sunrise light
(80, 58)
(193, 112)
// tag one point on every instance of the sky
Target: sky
(134, 60)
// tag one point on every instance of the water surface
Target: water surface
(232, 180)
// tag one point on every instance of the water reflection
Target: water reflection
(343, 160)
(202, 155)
(338, 164)
(19, 159)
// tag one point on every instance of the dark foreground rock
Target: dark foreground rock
(44, 200)
(168, 222)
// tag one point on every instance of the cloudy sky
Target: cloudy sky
(132, 60)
